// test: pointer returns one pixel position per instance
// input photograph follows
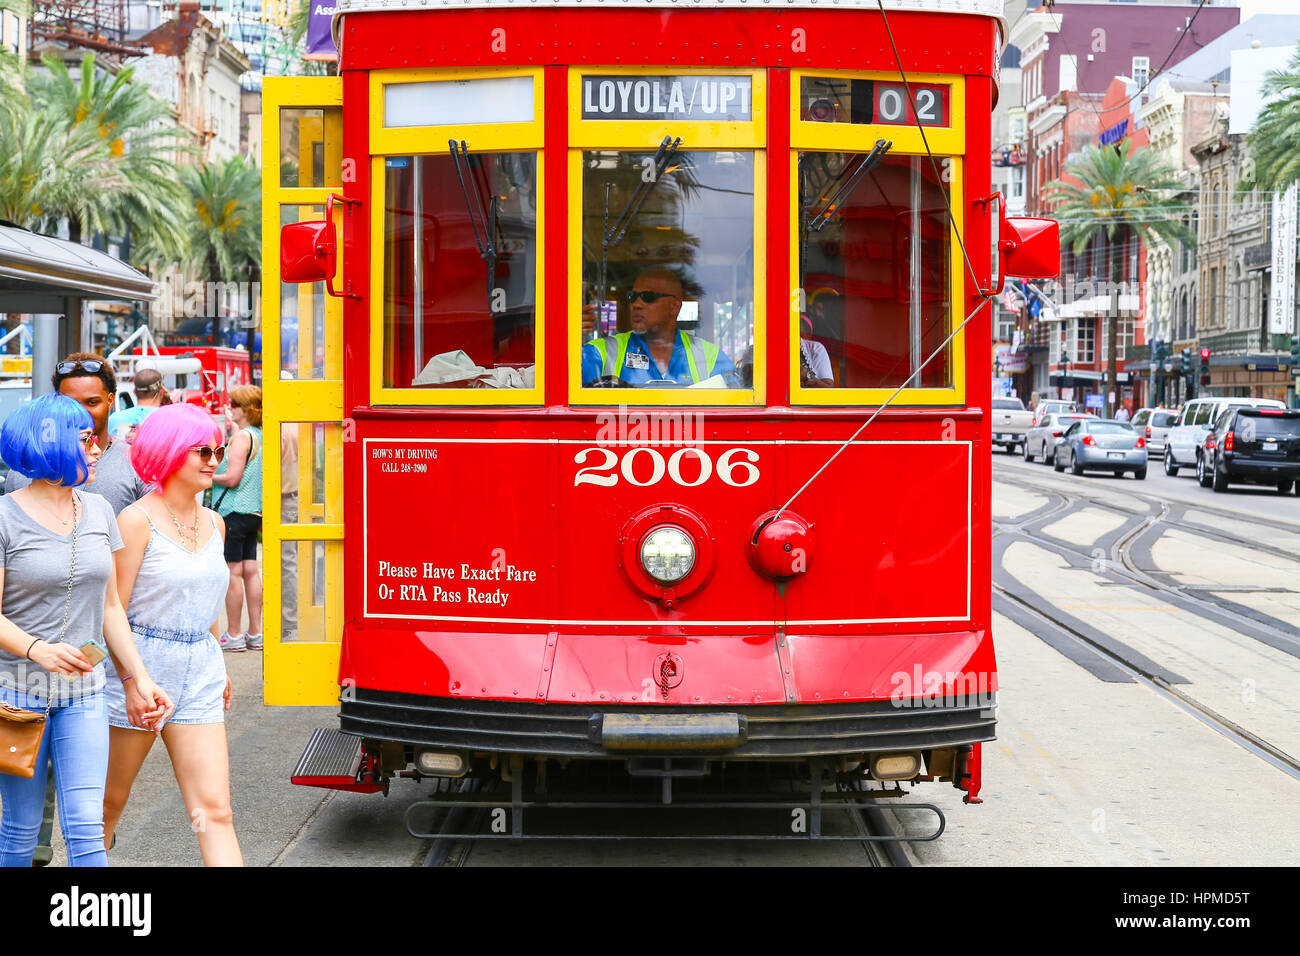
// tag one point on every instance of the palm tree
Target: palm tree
(1117, 192)
(1275, 139)
(226, 220)
(134, 186)
(47, 169)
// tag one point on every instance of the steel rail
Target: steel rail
(1248, 741)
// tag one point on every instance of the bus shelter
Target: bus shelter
(50, 279)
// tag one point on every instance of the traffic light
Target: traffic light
(1205, 366)
(1295, 351)
(1188, 369)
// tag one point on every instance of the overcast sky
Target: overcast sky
(1251, 7)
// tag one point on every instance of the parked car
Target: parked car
(1259, 446)
(1039, 438)
(1183, 443)
(1101, 444)
(1154, 425)
(1050, 406)
(1010, 422)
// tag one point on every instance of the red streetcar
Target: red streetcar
(644, 416)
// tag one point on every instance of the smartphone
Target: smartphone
(94, 651)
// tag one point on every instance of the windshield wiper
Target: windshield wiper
(614, 234)
(483, 222)
(833, 205)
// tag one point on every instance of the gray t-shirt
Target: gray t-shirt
(115, 478)
(36, 563)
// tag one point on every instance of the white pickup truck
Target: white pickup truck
(1010, 422)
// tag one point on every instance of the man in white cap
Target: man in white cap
(149, 394)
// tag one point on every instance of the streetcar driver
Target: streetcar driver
(654, 351)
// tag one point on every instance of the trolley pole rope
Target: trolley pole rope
(984, 299)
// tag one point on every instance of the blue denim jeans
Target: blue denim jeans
(76, 738)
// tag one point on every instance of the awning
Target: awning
(39, 273)
(1085, 376)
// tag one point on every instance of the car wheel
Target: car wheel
(1024, 450)
(1075, 467)
(1042, 453)
(1284, 486)
(1219, 480)
(1171, 466)
(1057, 463)
(1140, 474)
(1202, 478)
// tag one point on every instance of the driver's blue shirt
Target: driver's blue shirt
(645, 370)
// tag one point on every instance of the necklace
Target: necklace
(54, 514)
(187, 534)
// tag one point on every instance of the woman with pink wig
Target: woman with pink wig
(172, 578)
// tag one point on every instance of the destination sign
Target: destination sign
(620, 97)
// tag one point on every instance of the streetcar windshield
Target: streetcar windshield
(875, 270)
(460, 270)
(668, 268)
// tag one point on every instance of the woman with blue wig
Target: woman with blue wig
(59, 612)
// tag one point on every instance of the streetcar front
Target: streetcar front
(649, 346)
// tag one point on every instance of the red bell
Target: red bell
(781, 547)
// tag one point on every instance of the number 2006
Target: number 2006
(735, 467)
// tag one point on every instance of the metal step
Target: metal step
(332, 759)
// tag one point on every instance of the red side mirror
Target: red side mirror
(1031, 248)
(308, 252)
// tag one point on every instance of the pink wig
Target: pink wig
(165, 438)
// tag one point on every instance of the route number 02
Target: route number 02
(735, 467)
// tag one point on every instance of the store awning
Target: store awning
(40, 273)
(1056, 378)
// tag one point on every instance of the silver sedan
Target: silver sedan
(1101, 445)
(1045, 430)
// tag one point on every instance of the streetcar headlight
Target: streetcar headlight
(667, 554)
(435, 764)
(902, 766)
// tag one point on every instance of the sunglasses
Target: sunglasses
(89, 440)
(206, 453)
(90, 365)
(649, 297)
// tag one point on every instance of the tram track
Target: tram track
(1078, 642)
(1242, 737)
(1124, 564)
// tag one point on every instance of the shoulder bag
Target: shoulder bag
(21, 730)
(225, 491)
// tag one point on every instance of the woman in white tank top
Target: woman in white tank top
(172, 578)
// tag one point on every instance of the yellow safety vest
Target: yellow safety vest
(699, 354)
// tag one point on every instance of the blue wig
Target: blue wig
(42, 439)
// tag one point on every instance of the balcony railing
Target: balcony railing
(1241, 341)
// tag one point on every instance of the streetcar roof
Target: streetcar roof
(988, 8)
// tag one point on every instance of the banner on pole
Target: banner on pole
(320, 42)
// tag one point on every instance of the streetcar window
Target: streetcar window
(875, 263)
(502, 99)
(668, 268)
(460, 270)
(828, 99)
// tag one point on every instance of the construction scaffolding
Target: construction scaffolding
(100, 25)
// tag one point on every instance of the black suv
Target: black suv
(1254, 445)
